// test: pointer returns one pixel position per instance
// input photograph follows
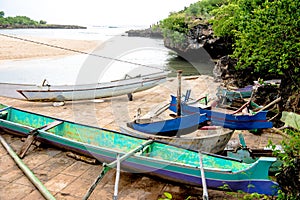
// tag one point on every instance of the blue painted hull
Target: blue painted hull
(141, 165)
(177, 126)
(231, 121)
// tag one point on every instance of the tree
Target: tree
(266, 38)
(2, 14)
(43, 22)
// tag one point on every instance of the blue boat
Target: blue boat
(231, 121)
(171, 127)
(245, 92)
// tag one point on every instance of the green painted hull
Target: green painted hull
(157, 159)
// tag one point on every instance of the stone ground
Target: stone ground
(69, 179)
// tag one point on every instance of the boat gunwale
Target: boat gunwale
(182, 137)
(163, 73)
(100, 128)
(71, 122)
(47, 90)
(116, 151)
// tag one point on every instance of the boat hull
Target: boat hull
(93, 91)
(245, 92)
(168, 162)
(213, 140)
(177, 126)
(231, 121)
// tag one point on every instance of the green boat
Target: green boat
(147, 156)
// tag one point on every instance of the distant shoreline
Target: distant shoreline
(42, 26)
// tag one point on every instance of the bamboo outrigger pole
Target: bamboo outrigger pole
(43, 190)
(115, 197)
(205, 193)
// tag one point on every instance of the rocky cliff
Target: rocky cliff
(199, 38)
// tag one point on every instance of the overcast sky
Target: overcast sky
(94, 12)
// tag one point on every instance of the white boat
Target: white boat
(212, 139)
(47, 92)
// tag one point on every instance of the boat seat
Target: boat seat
(154, 112)
(51, 125)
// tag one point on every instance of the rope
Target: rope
(77, 51)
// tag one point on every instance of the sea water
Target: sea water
(117, 56)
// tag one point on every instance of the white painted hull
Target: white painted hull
(93, 91)
(213, 140)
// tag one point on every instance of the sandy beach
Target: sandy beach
(14, 49)
(67, 178)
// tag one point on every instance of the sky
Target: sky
(94, 12)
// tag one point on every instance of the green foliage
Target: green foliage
(18, 21)
(178, 24)
(43, 22)
(266, 34)
(243, 195)
(224, 21)
(168, 196)
(255, 196)
(291, 148)
(22, 20)
(2, 14)
(175, 29)
(289, 156)
(175, 22)
(203, 8)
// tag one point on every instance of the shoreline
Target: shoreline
(14, 49)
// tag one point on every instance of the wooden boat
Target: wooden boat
(170, 127)
(91, 91)
(146, 156)
(226, 120)
(248, 155)
(211, 139)
(235, 93)
(181, 131)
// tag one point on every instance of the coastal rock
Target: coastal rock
(224, 70)
(145, 33)
(201, 37)
(40, 26)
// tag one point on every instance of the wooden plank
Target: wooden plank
(156, 111)
(51, 125)
(29, 140)
(32, 135)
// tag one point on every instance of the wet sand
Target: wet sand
(67, 178)
(13, 49)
